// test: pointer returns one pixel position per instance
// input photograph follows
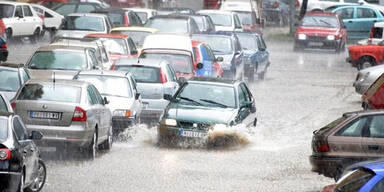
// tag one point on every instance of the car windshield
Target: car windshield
(248, 42)
(168, 25)
(221, 44)
(83, 23)
(58, 60)
(143, 16)
(9, 80)
(109, 85)
(6, 11)
(50, 92)
(320, 21)
(142, 74)
(137, 36)
(3, 128)
(245, 17)
(221, 19)
(116, 18)
(115, 46)
(208, 95)
(353, 180)
(181, 63)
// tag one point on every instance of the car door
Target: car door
(18, 22)
(365, 18)
(27, 147)
(263, 54)
(104, 115)
(347, 14)
(373, 139)
(137, 103)
(93, 113)
(246, 115)
(30, 21)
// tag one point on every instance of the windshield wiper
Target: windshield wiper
(34, 67)
(214, 102)
(191, 100)
(325, 22)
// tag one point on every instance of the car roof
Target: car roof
(76, 43)
(379, 24)
(111, 9)
(142, 62)
(58, 81)
(139, 9)
(53, 47)
(13, 3)
(104, 73)
(364, 112)
(146, 29)
(168, 41)
(212, 35)
(223, 81)
(109, 35)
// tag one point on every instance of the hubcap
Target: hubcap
(366, 65)
(39, 181)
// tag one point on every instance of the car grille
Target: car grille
(316, 38)
(198, 126)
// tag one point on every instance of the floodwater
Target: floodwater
(302, 92)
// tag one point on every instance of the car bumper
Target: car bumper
(9, 181)
(174, 134)
(120, 123)
(309, 43)
(326, 166)
(3, 55)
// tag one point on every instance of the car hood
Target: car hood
(8, 94)
(118, 102)
(49, 74)
(74, 33)
(363, 47)
(200, 114)
(378, 68)
(320, 31)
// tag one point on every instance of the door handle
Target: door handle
(373, 147)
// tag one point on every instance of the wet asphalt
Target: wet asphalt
(302, 92)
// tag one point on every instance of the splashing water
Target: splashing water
(222, 136)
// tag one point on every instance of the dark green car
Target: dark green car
(202, 103)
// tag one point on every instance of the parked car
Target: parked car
(138, 34)
(124, 99)
(143, 13)
(20, 20)
(80, 24)
(255, 57)
(21, 167)
(51, 61)
(321, 30)
(205, 23)
(276, 11)
(366, 77)
(323, 5)
(121, 17)
(226, 46)
(223, 20)
(177, 24)
(5, 105)
(358, 19)
(3, 49)
(364, 56)
(354, 137)
(51, 20)
(77, 7)
(204, 56)
(12, 77)
(154, 79)
(118, 45)
(176, 49)
(69, 113)
(375, 36)
(201, 104)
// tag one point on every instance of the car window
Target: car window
(47, 15)
(376, 127)
(27, 11)
(365, 13)
(353, 181)
(354, 128)
(351, 1)
(237, 22)
(19, 129)
(141, 74)
(132, 19)
(24, 75)
(97, 95)
(3, 104)
(84, 23)
(85, 8)
(248, 96)
(346, 13)
(379, 187)
(50, 92)
(66, 9)
(377, 32)
(58, 59)
(9, 80)
(18, 11)
(242, 96)
(92, 58)
(91, 97)
(210, 54)
(108, 85)
(170, 74)
(131, 44)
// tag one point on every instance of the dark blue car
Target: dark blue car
(255, 57)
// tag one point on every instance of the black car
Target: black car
(3, 49)
(21, 168)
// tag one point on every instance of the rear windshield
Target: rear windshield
(181, 63)
(116, 18)
(3, 129)
(9, 80)
(50, 92)
(115, 46)
(248, 42)
(83, 23)
(109, 85)
(220, 19)
(6, 11)
(354, 180)
(168, 25)
(58, 60)
(137, 36)
(142, 74)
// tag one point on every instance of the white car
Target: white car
(143, 13)
(224, 20)
(20, 20)
(51, 19)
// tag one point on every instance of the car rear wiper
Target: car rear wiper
(191, 100)
(214, 102)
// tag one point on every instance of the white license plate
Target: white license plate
(192, 134)
(44, 115)
(315, 43)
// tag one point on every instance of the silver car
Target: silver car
(67, 112)
(120, 88)
(5, 106)
(12, 76)
(154, 79)
(366, 77)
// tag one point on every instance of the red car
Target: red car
(117, 45)
(321, 30)
(206, 59)
(373, 98)
(364, 56)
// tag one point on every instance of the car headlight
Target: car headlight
(363, 77)
(331, 37)
(170, 122)
(122, 113)
(302, 36)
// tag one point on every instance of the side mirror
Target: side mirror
(219, 59)
(134, 52)
(137, 96)
(167, 97)
(181, 80)
(247, 104)
(105, 101)
(199, 66)
(36, 135)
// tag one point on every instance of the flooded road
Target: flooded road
(301, 93)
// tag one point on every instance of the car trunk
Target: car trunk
(45, 112)
(150, 90)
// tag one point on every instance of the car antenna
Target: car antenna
(54, 77)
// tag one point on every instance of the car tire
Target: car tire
(365, 62)
(8, 34)
(36, 36)
(92, 148)
(21, 182)
(107, 144)
(42, 175)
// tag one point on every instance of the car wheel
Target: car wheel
(107, 145)
(8, 34)
(365, 62)
(36, 36)
(92, 149)
(40, 179)
(21, 182)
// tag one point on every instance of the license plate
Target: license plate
(44, 115)
(315, 43)
(192, 134)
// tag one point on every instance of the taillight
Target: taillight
(13, 105)
(79, 115)
(4, 46)
(5, 154)
(322, 146)
(275, 4)
(163, 77)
